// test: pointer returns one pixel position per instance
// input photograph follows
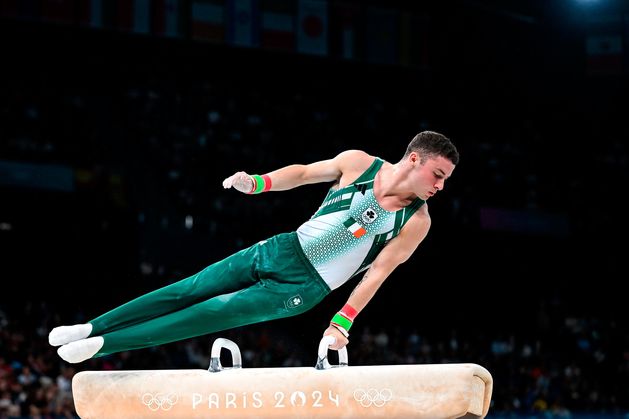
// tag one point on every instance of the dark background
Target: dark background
(522, 269)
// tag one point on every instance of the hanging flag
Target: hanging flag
(626, 43)
(166, 18)
(91, 13)
(413, 46)
(123, 14)
(141, 16)
(243, 23)
(345, 30)
(406, 38)
(382, 35)
(312, 34)
(9, 8)
(604, 45)
(604, 54)
(208, 20)
(24, 9)
(278, 25)
(133, 16)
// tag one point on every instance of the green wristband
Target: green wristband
(259, 181)
(342, 321)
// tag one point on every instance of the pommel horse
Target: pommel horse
(435, 391)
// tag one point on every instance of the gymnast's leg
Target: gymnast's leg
(260, 302)
(252, 305)
(228, 275)
(282, 285)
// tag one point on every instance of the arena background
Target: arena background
(119, 120)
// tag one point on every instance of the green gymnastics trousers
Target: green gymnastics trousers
(269, 280)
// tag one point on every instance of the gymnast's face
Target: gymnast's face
(430, 177)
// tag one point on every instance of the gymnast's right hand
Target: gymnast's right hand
(341, 340)
(240, 181)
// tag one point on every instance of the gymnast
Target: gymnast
(372, 219)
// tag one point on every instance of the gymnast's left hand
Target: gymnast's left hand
(341, 340)
(240, 181)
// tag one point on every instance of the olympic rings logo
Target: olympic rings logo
(372, 397)
(159, 401)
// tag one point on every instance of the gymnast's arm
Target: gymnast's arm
(396, 252)
(295, 175)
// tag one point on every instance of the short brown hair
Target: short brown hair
(431, 144)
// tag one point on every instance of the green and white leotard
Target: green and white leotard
(350, 229)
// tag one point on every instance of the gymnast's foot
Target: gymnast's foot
(81, 350)
(66, 334)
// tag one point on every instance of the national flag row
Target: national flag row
(159, 17)
(350, 31)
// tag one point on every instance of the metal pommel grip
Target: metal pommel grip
(215, 361)
(322, 358)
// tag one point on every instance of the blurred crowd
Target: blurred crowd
(149, 143)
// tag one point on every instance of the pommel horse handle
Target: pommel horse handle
(322, 359)
(215, 360)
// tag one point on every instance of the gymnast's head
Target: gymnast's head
(430, 144)
(430, 159)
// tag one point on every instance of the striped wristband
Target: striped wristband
(345, 317)
(340, 329)
(260, 184)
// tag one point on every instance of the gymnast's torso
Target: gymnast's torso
(350, 228)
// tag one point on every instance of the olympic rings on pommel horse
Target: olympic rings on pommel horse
(328, 391)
